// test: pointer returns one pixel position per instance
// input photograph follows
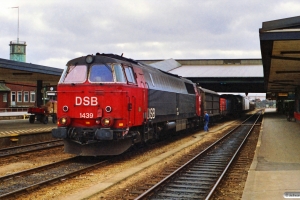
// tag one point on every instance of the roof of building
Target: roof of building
(210, 67)
(14, 71)
(219, 71)
(280, 49)
(221, 75)
(166, 65)
(4, 88)
(29, 67)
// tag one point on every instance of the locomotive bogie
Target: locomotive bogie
(112, 147)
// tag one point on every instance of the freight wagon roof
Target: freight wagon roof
(219, 71)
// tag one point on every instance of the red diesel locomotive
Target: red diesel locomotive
(107, 103)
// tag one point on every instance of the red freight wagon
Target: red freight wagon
(42, 114)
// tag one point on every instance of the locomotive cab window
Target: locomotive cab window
(74, 74)
(119, 74)
(129, 74)
(101, 73)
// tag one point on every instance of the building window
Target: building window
(19, 98)
(5, 97)
(13, 96)
(32, 96)
(26, 96)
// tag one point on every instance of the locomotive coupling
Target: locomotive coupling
(104, 134)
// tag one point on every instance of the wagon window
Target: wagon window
(74, 74)
(101, 73)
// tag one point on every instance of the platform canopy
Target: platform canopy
(13, 71)
(280, 49)
(220, 75)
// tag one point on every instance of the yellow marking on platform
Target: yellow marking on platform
(18, 132)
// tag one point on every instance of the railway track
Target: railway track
(199, 177)
(14, 184)
(16, 150)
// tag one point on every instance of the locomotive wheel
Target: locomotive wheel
(54, 119)
(31, 119)
(45, 119)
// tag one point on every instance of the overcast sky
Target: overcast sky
(59, 30)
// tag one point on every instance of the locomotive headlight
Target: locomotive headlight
(89, 59)
(63, 121)
(106, 122)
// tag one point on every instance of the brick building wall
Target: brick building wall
(20, 95)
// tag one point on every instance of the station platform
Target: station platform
(22, 126)
(275, 170)
(13, 115)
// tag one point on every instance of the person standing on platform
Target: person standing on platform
(206, 120)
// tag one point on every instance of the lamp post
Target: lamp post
(18, 23)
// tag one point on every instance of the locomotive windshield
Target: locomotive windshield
(106, 73)
(97, 73)
(101, 73)
(74, 74)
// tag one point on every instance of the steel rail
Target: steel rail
(27, 145)
(230, 162)
(27, 171)
(163, 181)
(16, 150)
(46, 181)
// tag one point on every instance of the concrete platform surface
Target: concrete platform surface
(22, 126)
(21, 113)
(275, 170)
